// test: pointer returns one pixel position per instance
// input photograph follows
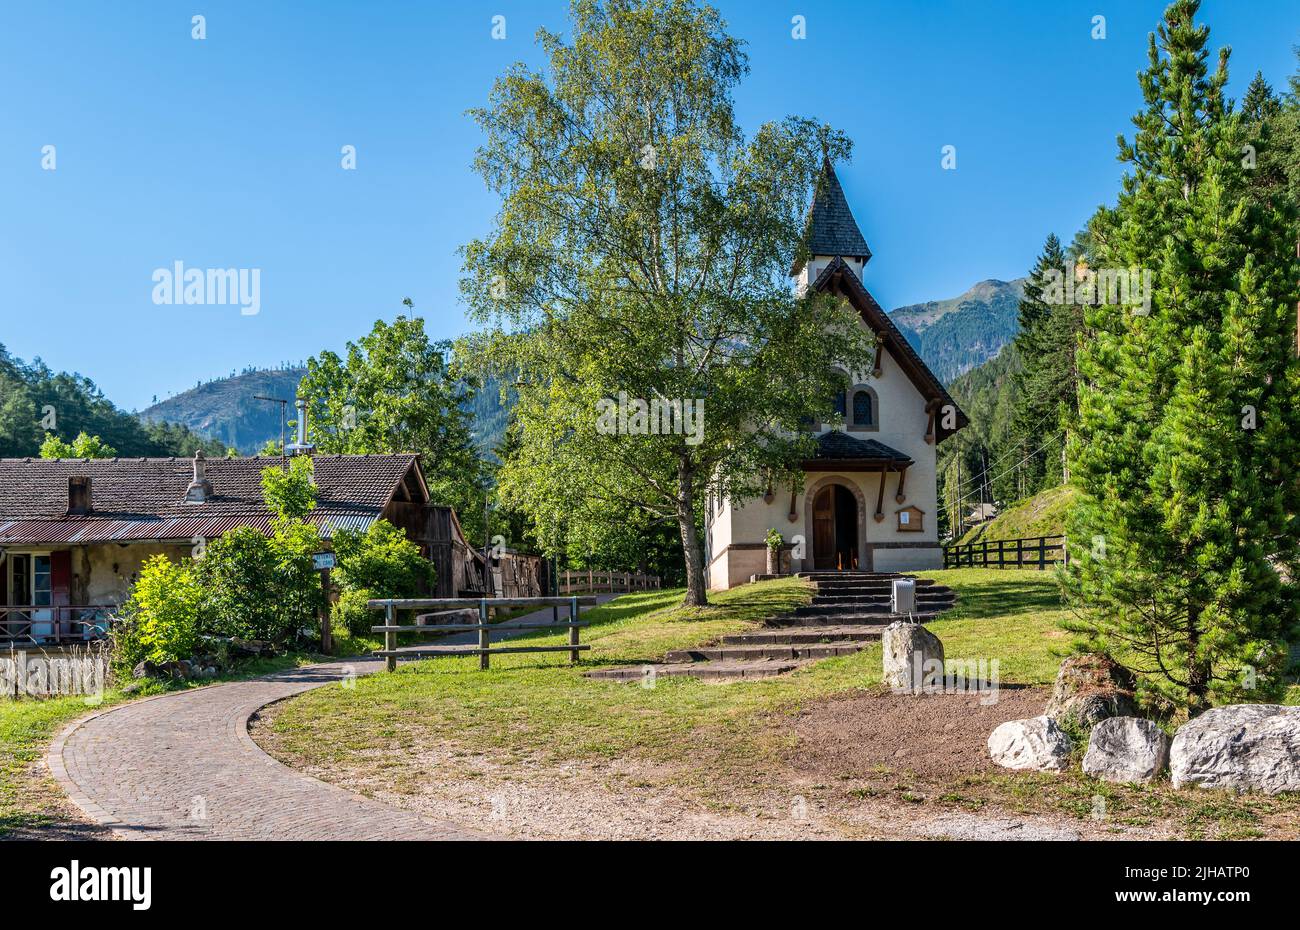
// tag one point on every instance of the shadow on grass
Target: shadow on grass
(986, 599)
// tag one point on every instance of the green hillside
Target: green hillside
(36, 401)
(227, 408)
(1043, 514)
(961, 333)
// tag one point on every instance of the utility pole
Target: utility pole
(961, 523)
(284, 406)
(986, 489)
(487, 545)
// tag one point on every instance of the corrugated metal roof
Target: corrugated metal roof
(186, 529)
(138, 500)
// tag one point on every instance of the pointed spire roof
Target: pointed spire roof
(831, 227)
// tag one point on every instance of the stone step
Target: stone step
(707, 671)
(754, 653)
(867, 584)
(836, 597)
(877, 620)
(804, 634)
(857, 607)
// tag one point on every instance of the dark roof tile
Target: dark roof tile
(133, 493)
(837, 446)
(832, 229)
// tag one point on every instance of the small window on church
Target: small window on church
(862, 412)
(840, 406)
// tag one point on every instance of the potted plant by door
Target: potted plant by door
(774, 543)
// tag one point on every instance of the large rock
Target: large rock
(913, 658)
(1037, 744)
(1242, 747)
(1090, 688)
(1126, 749)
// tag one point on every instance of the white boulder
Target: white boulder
(1126, 749)
(1037, 744)
(913, 658)
(1241, 747)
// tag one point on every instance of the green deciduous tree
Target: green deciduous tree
(1184, 539)
(394, 392)
(643, 250)
(83, 447)
(290, 492)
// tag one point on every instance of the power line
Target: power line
(1004, 457)
(962, 500)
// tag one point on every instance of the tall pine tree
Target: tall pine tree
(1184, 539)
(1046, 382)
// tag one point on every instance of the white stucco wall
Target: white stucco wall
(113, 569)
(902, 422)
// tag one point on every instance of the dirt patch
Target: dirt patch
(938, 735)
(43, 812)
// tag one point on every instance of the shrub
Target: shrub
(350, 612)
(160, 619)
(297, 591)
(381, 560)
(259, 588)
(239, 578)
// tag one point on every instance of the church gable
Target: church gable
(838, 278)
(837, 255)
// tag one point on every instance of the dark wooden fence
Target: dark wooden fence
(603, 582)
(1038, 552)
(484, 649)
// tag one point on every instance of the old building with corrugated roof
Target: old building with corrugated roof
(74, 533)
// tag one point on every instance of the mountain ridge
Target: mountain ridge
(953, 336)
(960, 333)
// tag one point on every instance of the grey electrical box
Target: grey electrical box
(903, 598)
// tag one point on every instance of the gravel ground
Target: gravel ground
(941, 735)
(818, 793)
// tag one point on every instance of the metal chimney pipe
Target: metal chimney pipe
(301, 447)
(302, 422)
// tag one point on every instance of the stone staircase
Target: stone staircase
(848, 611)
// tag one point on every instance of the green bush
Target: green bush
(350, 612)
(381, 560)
(260, 588)
(160, 620)
(238, 576)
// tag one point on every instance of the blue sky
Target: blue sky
(225, 152)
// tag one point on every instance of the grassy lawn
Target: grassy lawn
(30, 801)
(527, 702)
(715, 737)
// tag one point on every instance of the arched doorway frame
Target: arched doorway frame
(815, 488)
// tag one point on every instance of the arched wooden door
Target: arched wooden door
(824, 529)
(835, 529)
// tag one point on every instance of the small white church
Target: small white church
(869, 500)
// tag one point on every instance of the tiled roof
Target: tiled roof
(833, 231)
(145, 498)
(841, 447)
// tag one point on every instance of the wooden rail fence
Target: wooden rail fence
(599, 582)
(484, 650)
(1033, 552)
(55, 625)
